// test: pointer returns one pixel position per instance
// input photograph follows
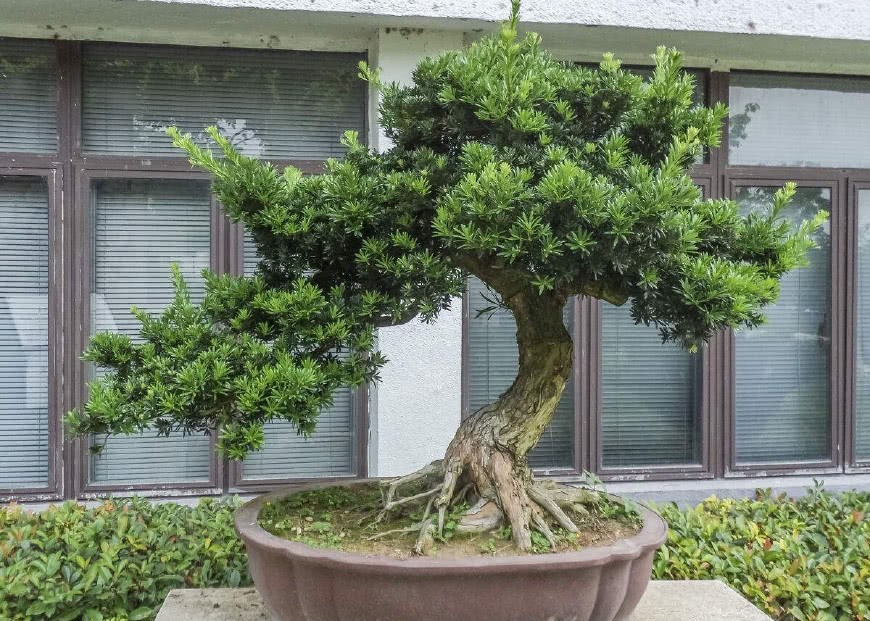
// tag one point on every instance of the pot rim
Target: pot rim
(650, 537)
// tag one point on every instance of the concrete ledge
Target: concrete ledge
(664, 600)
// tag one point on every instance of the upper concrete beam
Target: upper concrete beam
(847, 19)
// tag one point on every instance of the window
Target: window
(28, 140)
(650, 406)
(770, 400)
(24, 403)
(141, 227)
(782, 369)
(269, 104)
(28, 96)
(862, 329)
(291, 107)
(793, 120)
(82, 135)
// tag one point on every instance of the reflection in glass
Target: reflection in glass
(794, 120)
(782, 368)
(329, 452)
(649, 400)
(493, 363)
(862, 331)
(140, 228)
(24, 424)
(268, 103)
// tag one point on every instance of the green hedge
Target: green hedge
(116, 561)
(806, 559)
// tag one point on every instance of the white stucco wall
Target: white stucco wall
(417, 405)
(849, 19)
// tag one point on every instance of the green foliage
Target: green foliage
(116, 561)
(798, 560)
(246, 354)
(540, 177)
(805, 559)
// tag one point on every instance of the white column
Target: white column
(415, 409)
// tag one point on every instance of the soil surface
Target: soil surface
(346, 518)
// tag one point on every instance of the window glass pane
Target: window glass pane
(793, 120)
(140, 228)
(782, 404)
(649, 400)
(28, 96)
(329, 452)
(269, 103)
(493, 363)
(24, 424)
(862, 329)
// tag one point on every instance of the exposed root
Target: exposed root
(404, 501)
(452, 471)
(426, 538)
(483, 517)
(507, 495)
(549, 505)
(393, 531)
(544, 528)
(433, 470)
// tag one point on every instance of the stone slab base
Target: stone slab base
(664, 600)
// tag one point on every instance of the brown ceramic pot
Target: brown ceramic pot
(301, 583)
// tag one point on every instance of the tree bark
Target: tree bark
(490, 447)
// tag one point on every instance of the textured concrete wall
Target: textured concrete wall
(847, 19)
(417, 406)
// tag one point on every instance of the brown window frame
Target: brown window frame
(53, 179)
(853, 464)
(814, 179)
(70, 172)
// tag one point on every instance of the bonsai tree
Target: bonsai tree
(543, 179)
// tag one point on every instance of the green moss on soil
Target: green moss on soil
(343, 518)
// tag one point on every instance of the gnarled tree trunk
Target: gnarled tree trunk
(489, 451)
(490, 447)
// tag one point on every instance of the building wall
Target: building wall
(416, 407)
(842, 20)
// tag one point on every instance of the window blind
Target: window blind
(799, 120)
(862, 331)
(268, 103)
(649, 401)
(329, 452)
(28, 96)
(493, 362)
(24, 424)
(140, 228)
(782, 369)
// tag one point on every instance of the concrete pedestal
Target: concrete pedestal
(682, 600)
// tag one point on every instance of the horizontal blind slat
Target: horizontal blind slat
(28, 96)
(141, 227)
(24, 421)
(649, 408)
(270, 104)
